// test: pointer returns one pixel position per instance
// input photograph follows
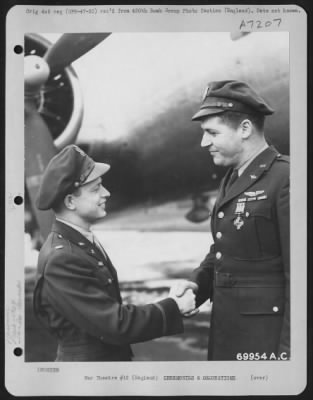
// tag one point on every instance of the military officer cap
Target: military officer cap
(66, 171)
(236, 96)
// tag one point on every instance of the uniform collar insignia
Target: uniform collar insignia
(70, 234)
(249, 177)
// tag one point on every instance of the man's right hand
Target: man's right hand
(186, 303)
(179, 288)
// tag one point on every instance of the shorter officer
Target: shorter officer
(247, 271)
(77, 294)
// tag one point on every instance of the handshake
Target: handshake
(184, 294)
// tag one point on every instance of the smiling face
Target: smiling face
(224, 142)
(89, 202)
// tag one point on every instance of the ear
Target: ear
(246, 128)
(69, 202)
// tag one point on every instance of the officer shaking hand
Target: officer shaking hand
(77, 295)
(246, 273)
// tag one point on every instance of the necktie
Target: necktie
(233, 177)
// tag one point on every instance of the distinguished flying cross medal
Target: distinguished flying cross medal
(240, 208)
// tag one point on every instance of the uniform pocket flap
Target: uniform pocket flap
(258, 209)
(261, 301)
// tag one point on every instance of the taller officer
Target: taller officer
(77, 293)
(247, 271)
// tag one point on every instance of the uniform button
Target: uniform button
(110, 280)
(60, 236)
(219, 235)
(220, 214)
(275, 309)
(218, 255)
(247, 214)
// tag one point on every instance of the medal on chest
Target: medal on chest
(240, 208)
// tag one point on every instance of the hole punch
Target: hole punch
(18, 351)
(18, 200)
(18, 49)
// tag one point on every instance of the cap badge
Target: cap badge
(206, 91)
(79, 150)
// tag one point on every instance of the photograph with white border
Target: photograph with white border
(144, 269)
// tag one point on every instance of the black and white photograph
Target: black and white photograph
(157, 201)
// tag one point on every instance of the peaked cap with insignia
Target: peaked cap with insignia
(66, 171)
(221, 96)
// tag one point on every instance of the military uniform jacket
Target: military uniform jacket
(77, 297)
(247, 271)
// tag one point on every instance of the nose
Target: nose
(105, 192)
(206, 140)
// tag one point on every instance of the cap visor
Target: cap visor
(205, 112)
(98, 170)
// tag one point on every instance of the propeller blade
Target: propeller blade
(70, 47)
(39, 149)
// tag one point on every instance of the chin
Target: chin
(221, 162)
(99, 217)
(218, 162)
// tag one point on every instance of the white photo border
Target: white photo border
(25, 379)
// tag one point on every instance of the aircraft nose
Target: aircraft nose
(206, 141)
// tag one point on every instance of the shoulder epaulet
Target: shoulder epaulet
(59, 242)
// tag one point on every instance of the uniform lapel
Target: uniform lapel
(82, 242)
(251, 175)
(221, 191)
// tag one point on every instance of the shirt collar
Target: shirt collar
(88, 234)
(249, 161)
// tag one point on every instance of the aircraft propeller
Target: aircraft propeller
(39, 140)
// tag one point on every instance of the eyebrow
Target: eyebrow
(210, 130)
(96, 183)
